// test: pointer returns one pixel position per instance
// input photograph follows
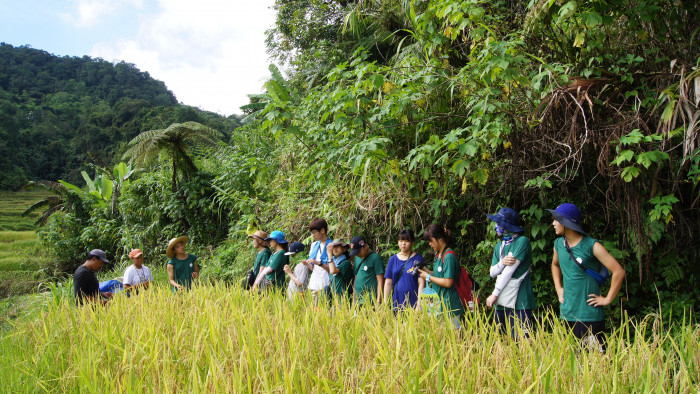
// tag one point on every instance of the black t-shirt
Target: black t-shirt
(85, 284)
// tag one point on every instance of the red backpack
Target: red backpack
(465, 286)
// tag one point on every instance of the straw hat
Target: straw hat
(170, 252)
(260, 235)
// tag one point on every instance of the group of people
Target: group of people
(352, 271)
(182, 268)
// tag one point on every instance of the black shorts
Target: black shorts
(582, 329)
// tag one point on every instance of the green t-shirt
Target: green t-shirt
(448, 267)
(577, 283)
(261, 260)
(277, 262)
(522, 251)
(183, 269)
(340, 283)
(366, 271)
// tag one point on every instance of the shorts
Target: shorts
(591, 333)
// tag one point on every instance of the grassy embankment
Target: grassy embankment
(219, 339)
(21, 255)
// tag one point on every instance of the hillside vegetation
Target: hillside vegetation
(58, 112)
(397, 114)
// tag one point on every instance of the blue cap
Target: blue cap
(569, 216)
(295, 247)
(277, 236)
(508, 219)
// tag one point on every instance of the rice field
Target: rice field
(12, 204)
(21, 255)
(216, 338)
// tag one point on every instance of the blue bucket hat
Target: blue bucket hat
(508, 219)
(277, 236)
(295, 247)
(569, 216)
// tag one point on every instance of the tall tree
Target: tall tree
(177, 141)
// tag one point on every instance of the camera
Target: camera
(416, 266)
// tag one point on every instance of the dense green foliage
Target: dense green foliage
(488, 104)
(55, 111)
(401, 113)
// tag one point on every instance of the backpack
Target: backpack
(465, 286)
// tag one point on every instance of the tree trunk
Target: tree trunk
(174, 176)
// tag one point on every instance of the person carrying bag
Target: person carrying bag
(513, 298)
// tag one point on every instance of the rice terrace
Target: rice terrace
(377, 196)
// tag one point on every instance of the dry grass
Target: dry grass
(219, 339)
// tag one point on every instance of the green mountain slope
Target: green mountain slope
(55, 111)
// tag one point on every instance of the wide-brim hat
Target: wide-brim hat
(569, 216)
(277, 236)
(170, 252)
(340, 242)
(507, 218)
(259, 234)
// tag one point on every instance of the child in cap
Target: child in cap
(513, 297)
(575, 254)
(369, 272)
(299, 279)
(340, 269)
(272, 276)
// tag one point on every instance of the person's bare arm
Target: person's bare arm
(380, 287)
(171, 277)
(332, 268)
(195, 274)
(421, 286)
(442, 282)
(388, 284)
(556, 276)
(291, 275)
(618, 275)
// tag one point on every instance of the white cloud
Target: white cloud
(91, 12)
(210, 53)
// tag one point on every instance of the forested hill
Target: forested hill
(54, 111)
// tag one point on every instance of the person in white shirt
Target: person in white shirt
(318, 258)
(137, 276)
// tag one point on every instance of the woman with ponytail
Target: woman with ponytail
(445, 272)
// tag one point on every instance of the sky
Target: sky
(210, 53)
